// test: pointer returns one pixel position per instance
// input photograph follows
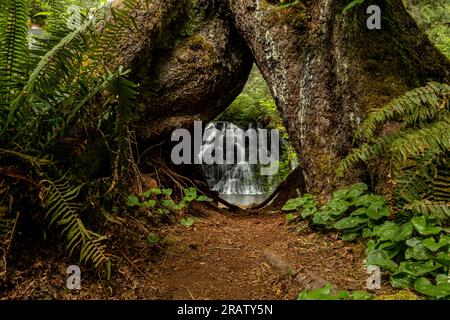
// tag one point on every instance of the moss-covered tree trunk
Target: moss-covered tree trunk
(189, 61)
(326, 70)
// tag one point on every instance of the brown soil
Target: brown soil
(219, 257)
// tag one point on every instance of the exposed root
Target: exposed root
(289, 188)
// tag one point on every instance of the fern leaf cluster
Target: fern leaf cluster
(415, 107)
(13, 48)
(59, 199)
(52, 89)
(417, 152)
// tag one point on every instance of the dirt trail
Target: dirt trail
(218, 257)
(221, 257)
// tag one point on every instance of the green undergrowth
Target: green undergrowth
(413, 248)
(326, 293)
(160, 203)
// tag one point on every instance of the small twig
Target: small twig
(10, 240)
(190, 293)
(140, 156)
(131, 263)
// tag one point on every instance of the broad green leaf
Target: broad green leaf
(350, 236)
(181, 205)
(308, 212)
(416, 250)
(362, 201)
(153, 238)
(149, 203)
(340, 194)
(343, 295)
(376, 198)
(350, 222)
(370, 246)
(189, 197)
(401, 280)
(190, 191)
(290, 217)
(417, 268)
(391, 231)
(391, 248)
(367, 233)
(338, 206)
(443, 258)
(359, 187)
(187, 222)
(442, 278)
(202, 198)
(323, 293)
(380, 258)
(358, 212)
(361, 295)
(166, 192)
(321, 218)
(146, 194)
(377, 210)
(420, 224)
(155, 191)
(431, 244)
(133, 201)
(168, 203)
(292, 204)
(425, 287)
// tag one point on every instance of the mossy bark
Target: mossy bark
(327, 70)
(189, 61)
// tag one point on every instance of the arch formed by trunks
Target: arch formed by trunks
(325, 69)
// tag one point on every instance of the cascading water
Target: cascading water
(234, 168)
(239, 178)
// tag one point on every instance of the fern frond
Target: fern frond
(121, 20)
(434, 138)
(438, 210)
(61, 209)
(13, 48)
(417, 154)
(402, 145)
(420, 105)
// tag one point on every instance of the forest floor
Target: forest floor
(219, 257)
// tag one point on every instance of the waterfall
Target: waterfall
(238, 178)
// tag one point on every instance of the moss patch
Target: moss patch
(401, 295)
(294, 16)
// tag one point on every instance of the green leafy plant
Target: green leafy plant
(414, 247)
(351, 210)
(417, 153)
(56, 91)
(187, 222)
(432, 17)
(161, 202)
(352, 4)
(59, 199)
(325, 293)
(153, 238)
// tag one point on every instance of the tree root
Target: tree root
(303, 277)
(292, 186)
